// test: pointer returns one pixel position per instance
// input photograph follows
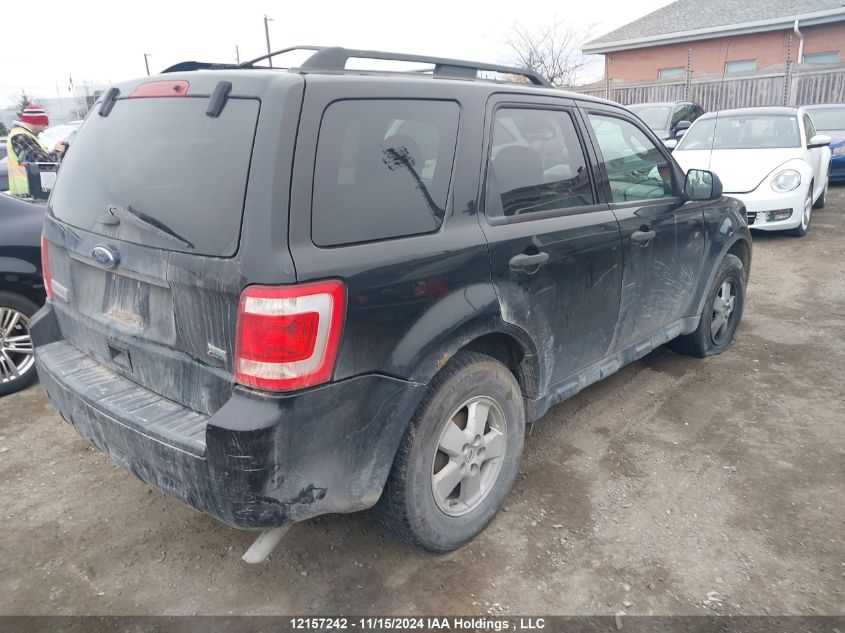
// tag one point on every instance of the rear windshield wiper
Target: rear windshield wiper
(125, 212)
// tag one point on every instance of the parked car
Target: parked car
(829, 119)
(21, 289)
(4, 173)
(58, 133)
(770, 158)
(364, 299)
(668, 120)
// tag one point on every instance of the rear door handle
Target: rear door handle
(642, 236)
(524, 262)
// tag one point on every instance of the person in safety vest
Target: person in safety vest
(23, 146)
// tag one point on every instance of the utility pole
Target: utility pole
(147, 63)
(267, 35)
(237, 55)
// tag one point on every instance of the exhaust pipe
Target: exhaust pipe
(264, 545)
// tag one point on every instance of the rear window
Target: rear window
(383, 169)
(175, 177)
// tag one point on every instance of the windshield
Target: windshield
(748, 131)
(170, 169)
(831, 119)
(656, 117)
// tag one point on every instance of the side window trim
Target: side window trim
(605, 178)
(577, 122)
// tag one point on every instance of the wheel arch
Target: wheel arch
(489, 335)
(740, 246)
(742, 249)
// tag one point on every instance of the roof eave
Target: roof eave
(760, 26)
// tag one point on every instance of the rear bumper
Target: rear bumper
(259, 461)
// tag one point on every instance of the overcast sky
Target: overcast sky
(103, 42)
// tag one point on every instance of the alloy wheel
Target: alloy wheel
(723, 307)
(808, 209)
(16, 354)
(469, 456)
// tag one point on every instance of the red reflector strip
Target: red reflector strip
(153, 89)
(45, 268)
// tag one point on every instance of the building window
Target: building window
(666, 73)
(741, 66)
(830, 57)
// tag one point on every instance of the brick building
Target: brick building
(724, 36)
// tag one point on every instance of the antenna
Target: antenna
(720, 105)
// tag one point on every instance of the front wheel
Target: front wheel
(17, 363)
(459, 456)
(721, 315)
(801, 229)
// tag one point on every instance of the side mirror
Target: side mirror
(670, 143)
(681, 128)
(819, 140)
(702, 185)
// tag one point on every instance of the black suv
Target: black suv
(279, 293)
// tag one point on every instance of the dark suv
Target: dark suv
(21, 289)
(279, 293)
(668, 120)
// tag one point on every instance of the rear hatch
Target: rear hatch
(144, 230)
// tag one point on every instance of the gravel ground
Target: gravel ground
(676, 486)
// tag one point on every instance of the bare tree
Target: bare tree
(553, 50)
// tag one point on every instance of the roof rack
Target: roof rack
(192, 65)
(336, 57)
(282, 51)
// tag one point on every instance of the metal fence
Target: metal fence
(799, 85)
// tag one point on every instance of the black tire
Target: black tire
(702, 342)
(407, 506)
(822, 200)
(24, 306)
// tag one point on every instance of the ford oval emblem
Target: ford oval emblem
(104, 256)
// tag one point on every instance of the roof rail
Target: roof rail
(336, 57)
(191, 65)
(305, 47)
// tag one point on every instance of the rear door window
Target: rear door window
(536, 163)
(176, 177)
(383, 169)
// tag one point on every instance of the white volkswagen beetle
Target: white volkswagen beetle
(770, 158)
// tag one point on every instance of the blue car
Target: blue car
(829, 119)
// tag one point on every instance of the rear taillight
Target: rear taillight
(287, 336)
(45, 269)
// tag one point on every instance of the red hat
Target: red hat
(34, 115)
